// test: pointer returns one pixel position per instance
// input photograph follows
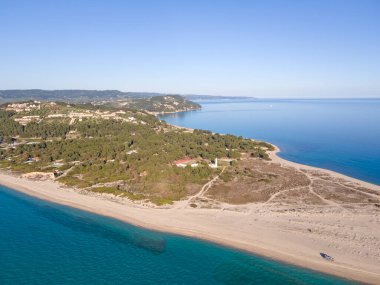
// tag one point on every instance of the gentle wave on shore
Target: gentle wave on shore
(46, 243)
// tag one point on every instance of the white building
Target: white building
(215, 164)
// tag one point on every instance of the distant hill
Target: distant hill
(155, 104)
(151, 102)
(83, 96)
(70, 95)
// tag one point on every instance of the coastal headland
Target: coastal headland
(292, 228)
(125, 163)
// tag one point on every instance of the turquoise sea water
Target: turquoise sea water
(45, 243)
(340, 135)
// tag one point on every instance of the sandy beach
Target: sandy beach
(294, 234)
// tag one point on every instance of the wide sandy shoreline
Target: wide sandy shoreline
(252, 227)
(277, 159)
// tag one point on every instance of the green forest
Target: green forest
(135, 160)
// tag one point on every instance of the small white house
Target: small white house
(215, 164)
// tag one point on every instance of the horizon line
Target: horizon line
(210, 95)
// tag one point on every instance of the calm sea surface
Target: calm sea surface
(45, 243)
(340, 135)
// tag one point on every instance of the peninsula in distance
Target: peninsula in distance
(108, 152)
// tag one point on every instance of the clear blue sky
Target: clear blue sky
(298, 48)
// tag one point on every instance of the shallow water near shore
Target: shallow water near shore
(46, 243)
(340, 135)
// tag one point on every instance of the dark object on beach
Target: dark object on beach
(327, 257)
(57, 173)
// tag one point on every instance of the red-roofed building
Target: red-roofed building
(184, 162)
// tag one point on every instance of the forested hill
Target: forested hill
(70, 95)
(152, 102)
(120, 151)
